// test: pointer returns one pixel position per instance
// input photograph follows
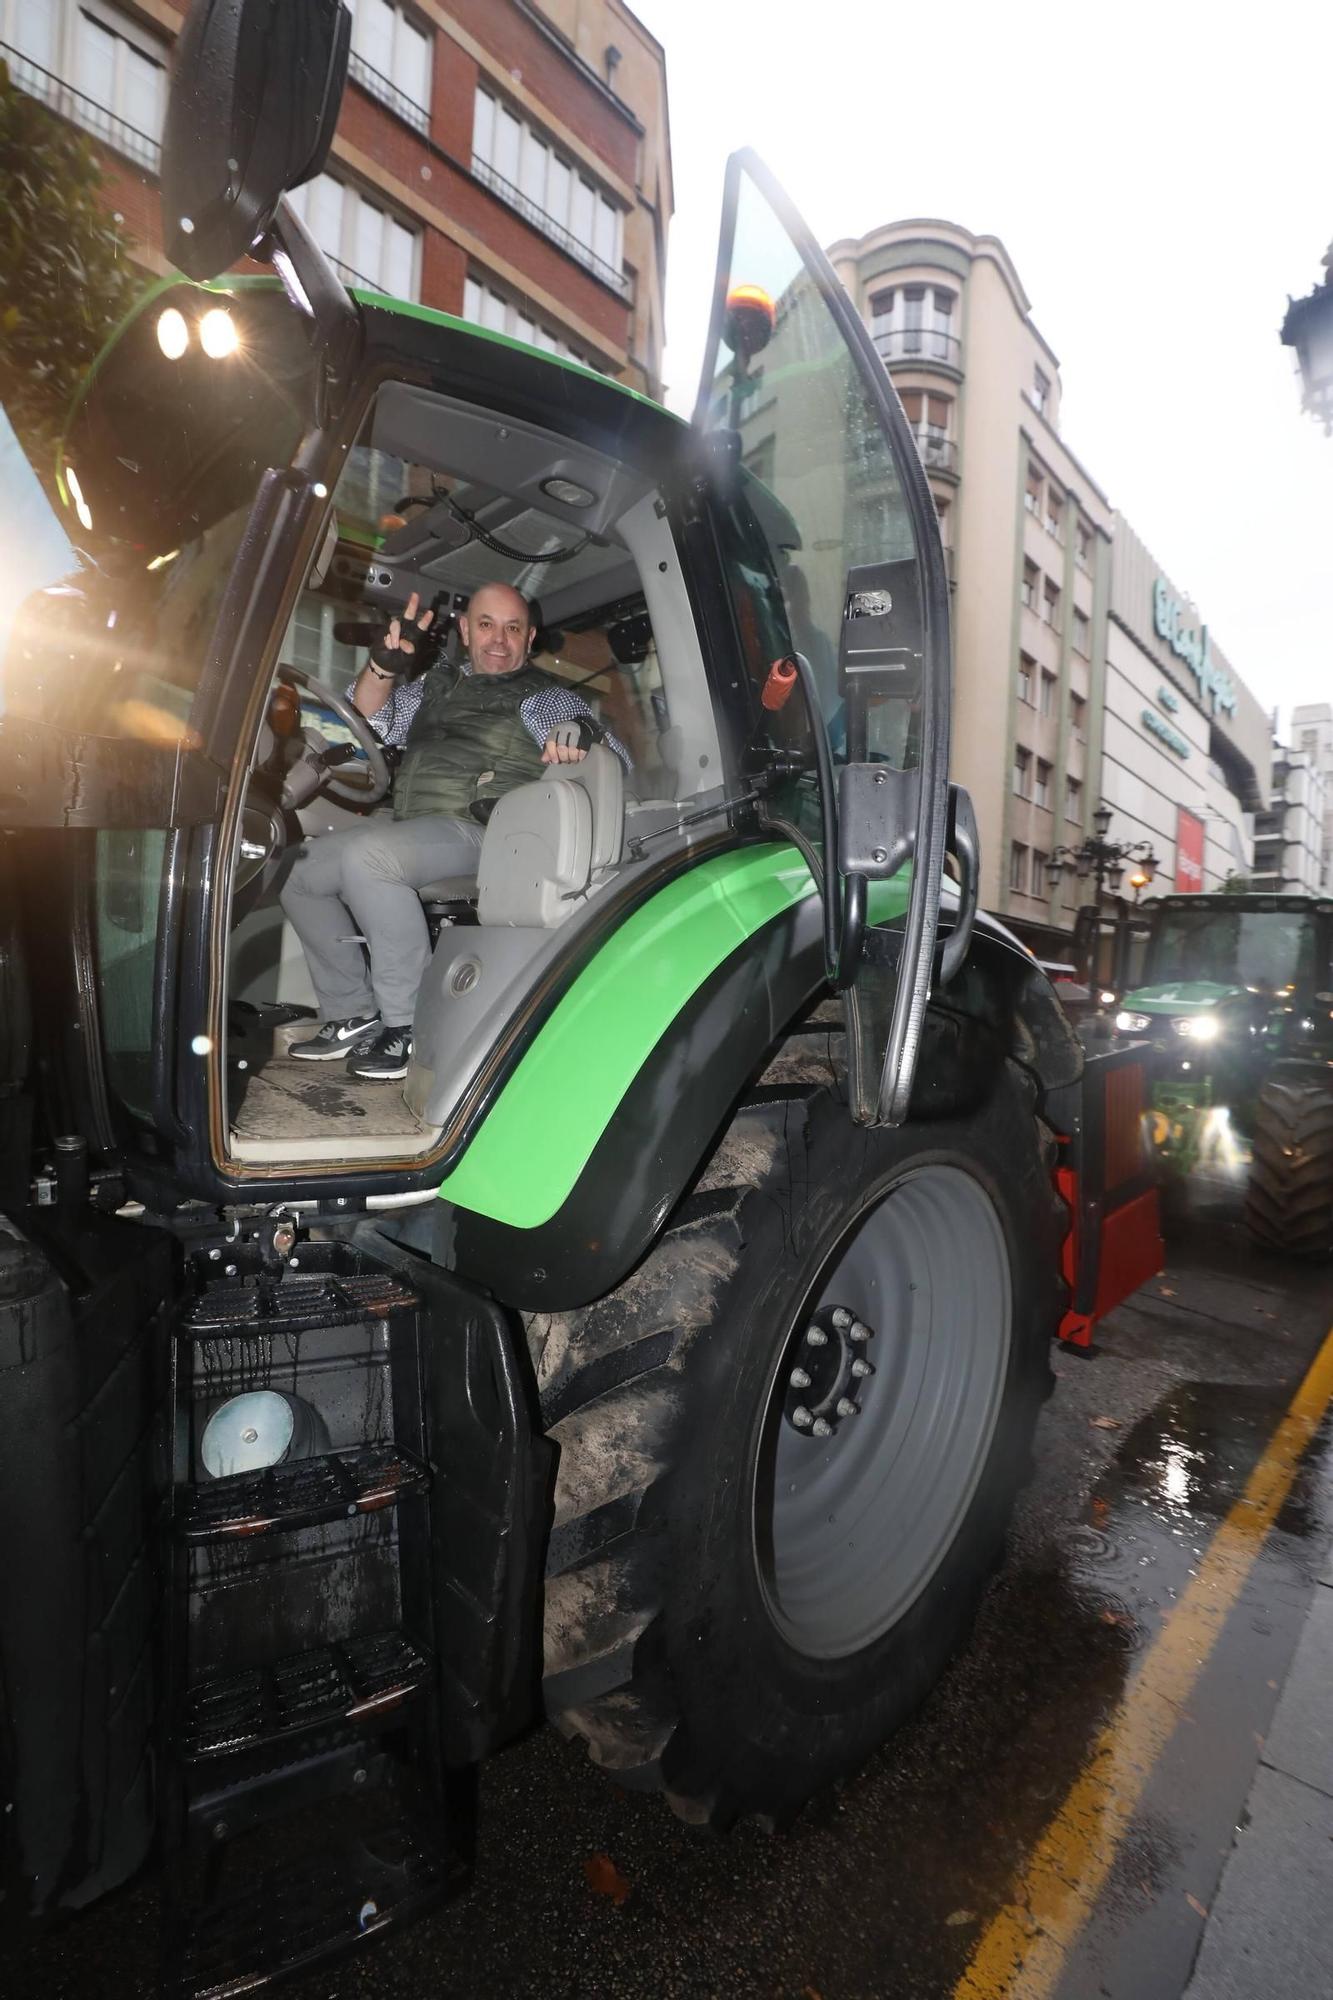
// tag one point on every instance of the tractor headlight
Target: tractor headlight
(1131, 1024)
(1197, 1027)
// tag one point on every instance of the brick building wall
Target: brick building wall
(424, 179)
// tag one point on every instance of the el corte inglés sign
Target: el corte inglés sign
(1173, 624)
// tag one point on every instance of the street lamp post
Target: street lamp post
(1102, 862)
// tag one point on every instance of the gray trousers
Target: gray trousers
(363, 884)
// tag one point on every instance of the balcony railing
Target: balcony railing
(937, 453)
(378, 85)
(69, 103)
(918, 343)
(515, 198)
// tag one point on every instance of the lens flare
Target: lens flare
(81, 507)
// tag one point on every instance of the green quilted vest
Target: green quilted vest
(468, 742)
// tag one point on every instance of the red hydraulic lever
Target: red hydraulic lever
(781, 680)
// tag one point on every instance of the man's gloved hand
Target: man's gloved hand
(569, 742)
(394, 654)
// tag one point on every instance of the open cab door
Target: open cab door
(804, 435)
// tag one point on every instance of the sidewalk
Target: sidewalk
(1269, 1934)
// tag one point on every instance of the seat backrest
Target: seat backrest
(548, 842)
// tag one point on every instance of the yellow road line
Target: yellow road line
(1022, 1951)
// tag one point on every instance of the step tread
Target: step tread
(290, 1304)
(315, 1904)
(358, 1480)
(354, 1681)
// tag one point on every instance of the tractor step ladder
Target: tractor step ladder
(305, 1795)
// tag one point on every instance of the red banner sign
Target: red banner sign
(1189, 850)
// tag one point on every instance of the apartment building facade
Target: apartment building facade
(1050, 689)
(1312, 736)
(483, 163)
(1289, 834)
(1027, 535)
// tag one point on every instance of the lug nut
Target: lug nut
(860, 1331)
(842, 1319)
(847, 1408)
(816, 1336)
(802, 1418)
(799, 1379)
(822, 1428)
(861, 1368)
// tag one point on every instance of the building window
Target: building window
(1050, 603)
(370, 246)
(910, 321)
(1030, 574)
(1041, 392)
(1047, 693)
(1082, 640)
(1077, 713)
(484, 306)
(551, 192)
(391, 59)
(929, 416)
(1054, 508)
(1042, 795)
(1027, 668)
(1018, 866)
(1032, 491)
(1074, 800)
(1022, 771)
(115, 85)
(1083, 545)
(1040, 886)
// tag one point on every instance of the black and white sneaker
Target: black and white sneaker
(387, 1057)
(333, 1039)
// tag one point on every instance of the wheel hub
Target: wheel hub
(827, 1367)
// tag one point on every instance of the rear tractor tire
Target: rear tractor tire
(1289, 1200)
(791, 1441)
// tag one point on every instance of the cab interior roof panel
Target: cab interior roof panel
(504, 455)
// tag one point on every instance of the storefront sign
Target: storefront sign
(1190, 644)
(1168, 700)
(1189, 850)
(1162, 729)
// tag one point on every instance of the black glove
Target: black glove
(396, 651)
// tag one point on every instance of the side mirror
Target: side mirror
(255, 93)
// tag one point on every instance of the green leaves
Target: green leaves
(65, 276)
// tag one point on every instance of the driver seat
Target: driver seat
(547, 845)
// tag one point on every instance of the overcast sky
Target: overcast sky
(1162, 177)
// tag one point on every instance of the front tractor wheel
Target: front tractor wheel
(790, 1444)
(1289, 1200)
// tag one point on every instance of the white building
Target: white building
(1289, 836)
(1185, 750)
(1312, 736)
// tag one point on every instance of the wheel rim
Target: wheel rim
(855, 1510)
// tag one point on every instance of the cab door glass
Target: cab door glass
(127, 890)
(819, 482)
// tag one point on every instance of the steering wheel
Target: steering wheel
(353, 789)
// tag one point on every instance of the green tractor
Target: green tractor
(1235, 996)
(662, 1355)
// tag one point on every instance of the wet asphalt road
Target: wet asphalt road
(883, 1889)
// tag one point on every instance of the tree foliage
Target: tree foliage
(65, 277)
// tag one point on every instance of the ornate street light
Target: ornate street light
(1308, 327)
(1105, 859)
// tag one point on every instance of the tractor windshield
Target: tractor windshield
(1269, 950)
(197, 395)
